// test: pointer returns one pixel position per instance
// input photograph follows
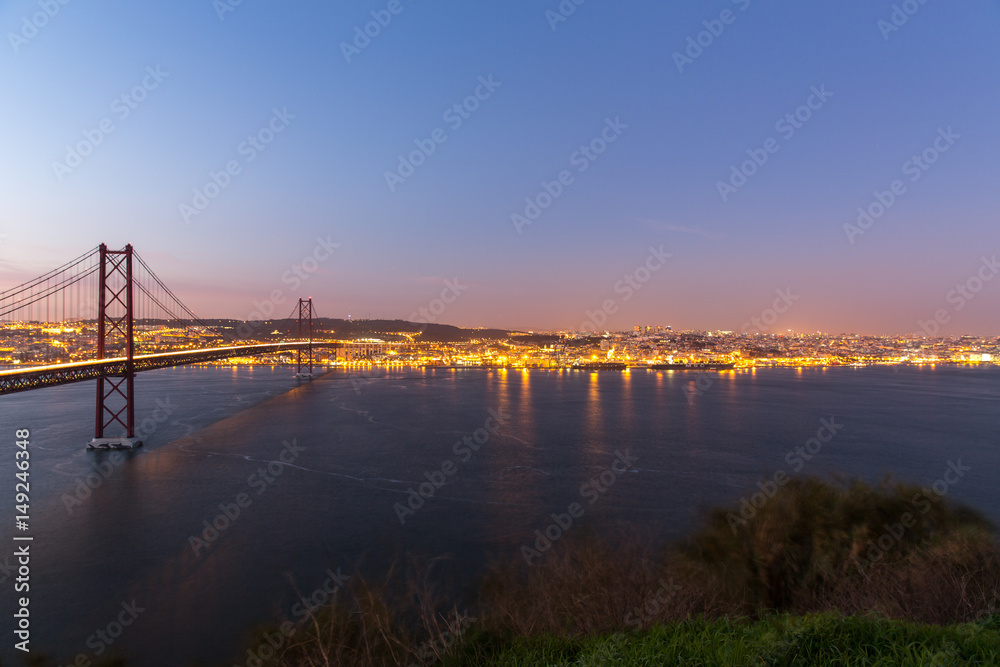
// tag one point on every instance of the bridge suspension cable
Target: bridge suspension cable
(56, 284)
(166, 292)
(31, 283)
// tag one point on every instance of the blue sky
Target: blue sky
(223, 76)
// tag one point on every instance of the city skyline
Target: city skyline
(843, 171)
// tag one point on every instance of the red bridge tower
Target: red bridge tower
(115, 339)
(305, 319)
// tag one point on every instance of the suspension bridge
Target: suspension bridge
(114, 300)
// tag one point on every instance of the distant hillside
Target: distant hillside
(388, 330)
(535, 339)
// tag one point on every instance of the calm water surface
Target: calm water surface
(360, 445)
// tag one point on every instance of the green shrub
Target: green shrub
(816, 545)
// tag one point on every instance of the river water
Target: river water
(323, 471)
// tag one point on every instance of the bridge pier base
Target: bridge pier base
(114, 443)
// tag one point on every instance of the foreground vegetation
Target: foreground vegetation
(777, 640)
(819, 573)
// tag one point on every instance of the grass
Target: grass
(822, 639)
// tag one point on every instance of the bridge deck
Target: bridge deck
(36, 377)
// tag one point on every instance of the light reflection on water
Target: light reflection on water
(368, 442)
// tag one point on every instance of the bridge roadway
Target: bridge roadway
(37, 377)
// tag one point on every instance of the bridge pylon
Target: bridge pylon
(115, 393)
(305, 320)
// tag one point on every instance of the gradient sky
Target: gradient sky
(324, 175)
